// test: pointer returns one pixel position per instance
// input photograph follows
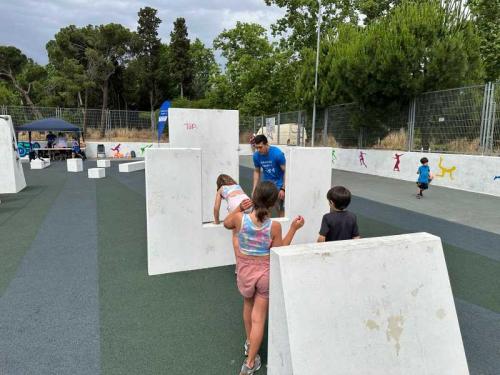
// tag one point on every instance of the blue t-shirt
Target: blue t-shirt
(271, 165)
(423, 174)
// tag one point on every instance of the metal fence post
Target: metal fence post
(279, 123)
(484, 118)
(325, 128)
(411, 123)
(298, 127)
(491, 121)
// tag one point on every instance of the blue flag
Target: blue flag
(162, 117)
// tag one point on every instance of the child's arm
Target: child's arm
(321, 238)
(276, 233)
(233, 220)
(218, 201)
(323, 231)
(355, 231)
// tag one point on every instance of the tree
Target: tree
(487, 22)
(181, 65)
(204, 68)
(298, 26)
(109, 48)
(8, 96)
(258, 76)
(148, 52)
(21, 72)
(416, 48)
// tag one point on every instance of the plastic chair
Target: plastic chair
(101, 150)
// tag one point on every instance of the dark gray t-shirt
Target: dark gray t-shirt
(339, 225)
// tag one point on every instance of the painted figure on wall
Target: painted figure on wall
(116, 150)
(143, 148)
(334, 157)
(496, 178)
(397, 158)
(445, 170)
(362, 159)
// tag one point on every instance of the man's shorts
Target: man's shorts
(423, 185)
(253, 276)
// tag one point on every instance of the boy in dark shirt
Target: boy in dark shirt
(339, 224)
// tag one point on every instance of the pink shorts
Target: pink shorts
(253, 276)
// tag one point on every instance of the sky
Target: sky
(30, 24)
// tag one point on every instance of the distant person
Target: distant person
(229, 190)
(51, 138)
(76, 151)
(339, 224)
(424, 177)
(273, 163)
(62, 142)
(257, 233)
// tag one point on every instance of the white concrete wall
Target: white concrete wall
(177, 240)
(11, 171)
(125, 148)
(308, 179)
(373, 306)
(215, 132)
(471, 173)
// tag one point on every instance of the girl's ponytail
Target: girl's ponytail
(264, 197)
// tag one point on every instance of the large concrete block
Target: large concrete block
(74, 165)
(131, 167)
(215, 132)
(177, 239)
(11, 171)
(39, 163)
(103, 163)
(96, 173)
(372, 306)
(308, 179)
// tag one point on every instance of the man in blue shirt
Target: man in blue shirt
(272, 162)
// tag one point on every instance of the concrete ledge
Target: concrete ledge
(131, 167)
(96, 172)
(39, 163)
(74, 165)
(103, 163)
(372, 306)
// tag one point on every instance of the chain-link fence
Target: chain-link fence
(95, 122)
(462, 120)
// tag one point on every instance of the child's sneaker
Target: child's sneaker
(246, 346)
(245, 370)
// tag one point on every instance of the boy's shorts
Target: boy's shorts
(423, 185)
(253, 276)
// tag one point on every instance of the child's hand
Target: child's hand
(298, 222)
(245, 205)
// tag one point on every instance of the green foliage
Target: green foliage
(7, 95)
(487, 22)
(181, 65)
(390, 61)
(204, 68)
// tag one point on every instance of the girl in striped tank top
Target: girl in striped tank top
(256, 235)
(229, 190)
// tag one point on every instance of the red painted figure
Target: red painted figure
(362, 158)
(397, 157)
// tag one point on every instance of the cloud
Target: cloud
(30, 24)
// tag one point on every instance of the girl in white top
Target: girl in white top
(229, 190)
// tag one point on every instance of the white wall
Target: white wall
(11, 171)
(177, 239)
(372, 306)
(472, 173)
(215, 132)
(125, 148)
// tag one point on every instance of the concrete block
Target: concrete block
(103, 163)
(216, 133)
(371, 306)
(39, 163)
(74, 165)
(11, 171)
(131, 167)
(177, 239)
(96, 172)
(308, 179)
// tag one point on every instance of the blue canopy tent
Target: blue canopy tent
(48, 124)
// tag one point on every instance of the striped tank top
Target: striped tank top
(254, 240)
